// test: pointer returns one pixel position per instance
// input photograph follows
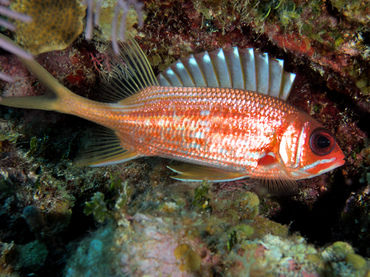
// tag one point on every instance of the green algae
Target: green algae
(232, 240)
(38, 146)
(249, 203)
(201, 198)
(245, 231)
(340, 260)
(355, 10)
(340, 249)
(356, 261)
(188, 258)
(97, 207)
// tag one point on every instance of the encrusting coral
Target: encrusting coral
(224, 235)
(55, 25)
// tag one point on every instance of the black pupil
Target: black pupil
(322, 142)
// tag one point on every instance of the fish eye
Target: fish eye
(321, 141)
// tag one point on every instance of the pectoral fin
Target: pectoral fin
(269, 159)
(198, 173)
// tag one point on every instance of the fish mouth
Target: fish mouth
(332, 165)
(341, 162)
(326, 166)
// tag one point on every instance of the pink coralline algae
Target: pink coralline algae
(147, 246)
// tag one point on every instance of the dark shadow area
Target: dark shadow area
(321, 224)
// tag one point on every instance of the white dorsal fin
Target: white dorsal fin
(276, 77)
(234, 65)
(194, 71)
(208, 71)
(248, 63)
(231, 68)
(263, 73)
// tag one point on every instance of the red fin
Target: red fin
(268, 159)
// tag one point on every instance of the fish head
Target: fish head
(307, 149)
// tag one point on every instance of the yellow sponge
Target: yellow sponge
(55, 25)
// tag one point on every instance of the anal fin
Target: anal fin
(105, 160)
(198, 173)
(105, 149)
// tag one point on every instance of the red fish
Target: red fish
(223, 112)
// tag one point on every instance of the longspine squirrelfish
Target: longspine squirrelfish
(223, 112)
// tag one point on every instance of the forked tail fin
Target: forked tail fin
(52, 101)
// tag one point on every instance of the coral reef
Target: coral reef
(225, 235)
(133, 219)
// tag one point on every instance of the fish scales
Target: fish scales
(225, 130)
(229, 135)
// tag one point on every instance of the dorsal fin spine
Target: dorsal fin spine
(233, 68)
(130, 71)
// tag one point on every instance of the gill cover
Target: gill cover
(292, 141)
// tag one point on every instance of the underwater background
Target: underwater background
(132, 219)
